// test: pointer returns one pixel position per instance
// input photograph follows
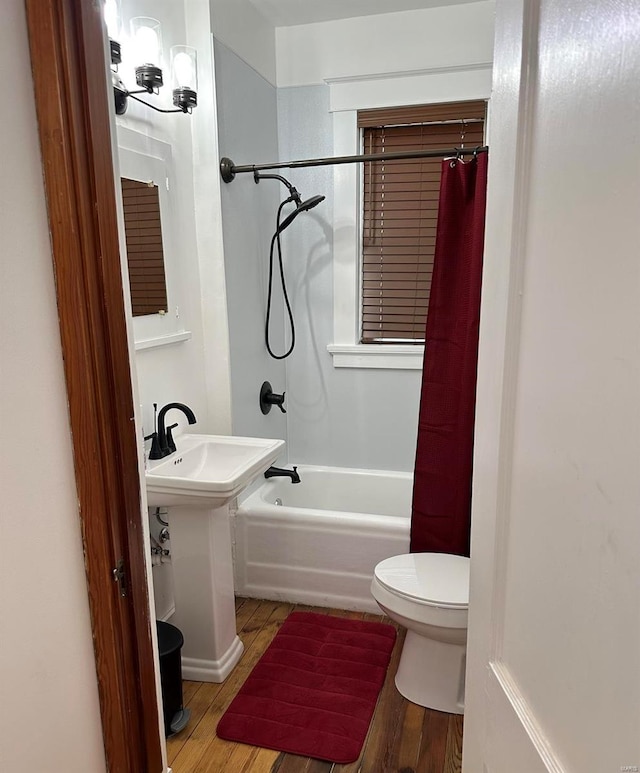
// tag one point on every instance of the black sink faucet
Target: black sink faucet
(165, 443)
(279, 472)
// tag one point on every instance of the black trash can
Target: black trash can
(170, 641)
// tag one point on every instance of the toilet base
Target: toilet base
(431, 673)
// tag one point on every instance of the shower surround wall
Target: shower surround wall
(247, 127)
(337, 416)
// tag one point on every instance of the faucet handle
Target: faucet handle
(156, 451)
(171, 443)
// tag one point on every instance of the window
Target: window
(400, 210)
(347, 98)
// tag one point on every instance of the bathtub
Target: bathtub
(318, 541)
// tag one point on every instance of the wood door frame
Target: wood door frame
(72, 101)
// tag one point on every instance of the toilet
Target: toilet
(428, 594)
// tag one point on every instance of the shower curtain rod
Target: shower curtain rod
(229, 170)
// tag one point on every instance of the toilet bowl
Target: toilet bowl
(428, 594)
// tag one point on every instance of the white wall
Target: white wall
(195, 371)
(174, 372)
(50, 718)
(554, 633)
(394, 42)
(208, 216)
(445, 37)
(243, 29)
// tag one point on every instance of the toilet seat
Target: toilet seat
(433, 579)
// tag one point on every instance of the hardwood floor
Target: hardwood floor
(403, 737)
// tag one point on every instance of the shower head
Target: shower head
(310, 203)
(301, 206)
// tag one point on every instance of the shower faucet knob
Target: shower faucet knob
(279, 401)
(269, 398)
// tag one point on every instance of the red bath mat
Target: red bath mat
(314, 690)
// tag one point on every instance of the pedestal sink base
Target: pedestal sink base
(203, 584)
(198, 670)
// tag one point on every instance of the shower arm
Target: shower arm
(293, 193)
(229, 170)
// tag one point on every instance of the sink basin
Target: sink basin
(208, 470)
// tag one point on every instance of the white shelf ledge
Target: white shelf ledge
(165, 340)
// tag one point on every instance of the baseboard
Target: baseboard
(169, 614)
(310, 597)
(515, 729)
(199, 670)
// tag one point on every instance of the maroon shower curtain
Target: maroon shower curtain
(441, 516)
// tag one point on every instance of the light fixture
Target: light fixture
(146, 42)
(146, 46)
(184, 77)
(112, 20)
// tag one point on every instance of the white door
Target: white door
(553, 676)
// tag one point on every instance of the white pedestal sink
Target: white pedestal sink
(196, 483)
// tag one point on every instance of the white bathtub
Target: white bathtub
(321, 544)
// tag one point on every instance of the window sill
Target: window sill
(377, 356)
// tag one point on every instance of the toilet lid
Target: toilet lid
(431, 578)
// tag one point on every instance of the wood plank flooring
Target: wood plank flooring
(403, 737)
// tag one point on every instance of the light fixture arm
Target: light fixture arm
(153, 107)
(121, 96)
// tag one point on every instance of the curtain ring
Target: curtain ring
(457, 158)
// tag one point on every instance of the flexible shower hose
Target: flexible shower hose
(275, 242)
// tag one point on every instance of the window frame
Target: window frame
(347, 96)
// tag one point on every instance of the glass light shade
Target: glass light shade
(184, 68)
(112, 18)
(146, 40)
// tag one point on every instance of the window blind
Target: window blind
(400, 211)
(145, 258)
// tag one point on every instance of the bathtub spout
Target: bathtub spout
(279, 472)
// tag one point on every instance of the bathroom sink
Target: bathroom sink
(208, 470)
